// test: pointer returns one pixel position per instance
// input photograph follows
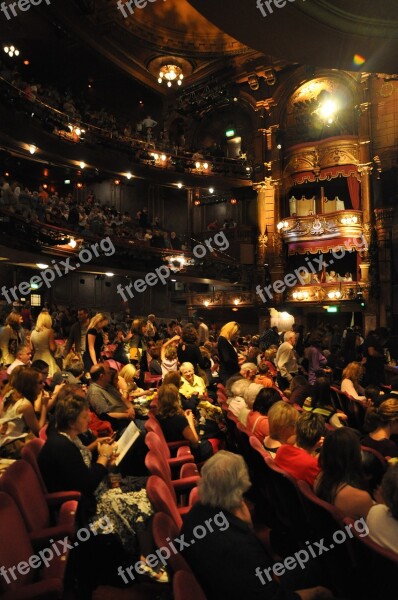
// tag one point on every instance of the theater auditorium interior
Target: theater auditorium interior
(198, 299)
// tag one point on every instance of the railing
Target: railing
(342, 223)
(149, 153)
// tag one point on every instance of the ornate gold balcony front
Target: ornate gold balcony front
(328, 292)
(220, 299)
(327, 229)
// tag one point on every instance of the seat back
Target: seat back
(377, 566)
(324, 521)
(21, 483)
(155, 443)
(15, 545)
(164, 529)
(287, 501)
(157, 465)
(30, 453)
(185, 585)
(152, 424)
(162, 500)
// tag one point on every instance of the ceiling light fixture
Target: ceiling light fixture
(32, 148)
(72, 243)
(128, 175)
(170, 74)
(82, 165)
(109, 274)
(42, 265)
(11, 51)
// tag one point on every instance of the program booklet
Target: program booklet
(131, 433)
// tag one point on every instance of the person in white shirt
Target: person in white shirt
(382, 519)
(149, 123)
(352, 375)
(23, 357)
(286, 361)
(203, 332)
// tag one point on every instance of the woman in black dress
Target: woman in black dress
(94, 340)
(230, 361)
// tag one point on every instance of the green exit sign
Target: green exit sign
(332, 309)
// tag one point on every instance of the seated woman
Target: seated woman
(66, 464)
(17, 417)
(191, 384)
(127, 384)
(300, 389)
(350, 384)
(256, 421)
(268, 358)
(155, 367)
(382, 423)
(341, 481)
(282, 418)
(320, 402)
(263, 377)
(178, 424)
(382, 519)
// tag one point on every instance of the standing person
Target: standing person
(188, 349)
(286, 361)
(316, 359)
(94, 340)
(373, 352)
(203, 332)
(268, 337)
(11, 337)
(230, 361)
(78, 332)
(43, 343)
(149, 123)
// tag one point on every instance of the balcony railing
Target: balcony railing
(328, 292)
(339, 224)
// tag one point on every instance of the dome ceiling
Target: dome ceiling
(344, 34)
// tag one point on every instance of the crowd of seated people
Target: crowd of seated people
(92, 395)
(65, 112)
(87, 218)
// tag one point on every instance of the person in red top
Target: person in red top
(301, 460)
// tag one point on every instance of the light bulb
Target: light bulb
(169, 84)
(82, 165)
(32, 148)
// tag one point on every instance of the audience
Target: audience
(382, 519)
(300, 460)
(381, 423)
(282, 418)
(341, 481)
(352, 376)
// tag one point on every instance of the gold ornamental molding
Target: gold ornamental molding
(340, 224)
(322, 155)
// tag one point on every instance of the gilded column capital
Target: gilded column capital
(267, 104)
(365, 169)
(261, 186)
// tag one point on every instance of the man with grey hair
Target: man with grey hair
(226, 557)
(248, 370)
(286, 361)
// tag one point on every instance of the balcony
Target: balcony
(322, 232)
(328, 292)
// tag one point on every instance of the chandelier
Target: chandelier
(170, 74)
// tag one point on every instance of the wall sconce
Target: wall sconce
(237, 301)
(334, 295)
(270, 76)
(206, 303)
(282, 225)
(253, 82)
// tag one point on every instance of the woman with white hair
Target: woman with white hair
(42, 342)
(227, 558)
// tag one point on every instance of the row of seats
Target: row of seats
(31, 523)
(298, 517)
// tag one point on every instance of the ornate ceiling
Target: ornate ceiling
(325, 33)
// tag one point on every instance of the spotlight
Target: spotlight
(128, 175)
(32, 148)
(179, 185)
(211, 190)
(82, 165)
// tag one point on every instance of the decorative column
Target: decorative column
(364, 260)
(384, 221)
